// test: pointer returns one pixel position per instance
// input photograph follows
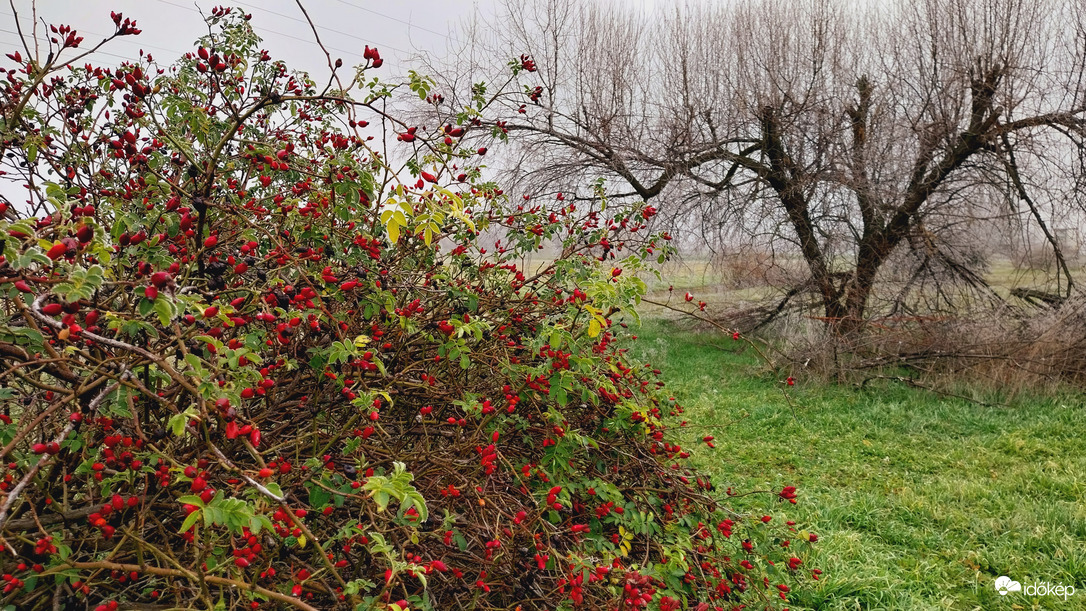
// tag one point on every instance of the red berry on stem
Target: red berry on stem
(57, 251)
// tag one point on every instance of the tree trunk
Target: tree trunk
(859, 291)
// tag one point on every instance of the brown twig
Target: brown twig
(222, 581)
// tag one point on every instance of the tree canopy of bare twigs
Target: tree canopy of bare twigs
(856, 137)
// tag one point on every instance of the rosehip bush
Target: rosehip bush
(251, 359)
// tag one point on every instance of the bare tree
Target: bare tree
(846, 131)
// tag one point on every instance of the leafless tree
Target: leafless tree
(859, 135)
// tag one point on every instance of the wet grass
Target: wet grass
(921, 501)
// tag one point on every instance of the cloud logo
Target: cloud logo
(1005, 584)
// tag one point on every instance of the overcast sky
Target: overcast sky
(398, 29)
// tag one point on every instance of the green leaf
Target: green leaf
(260, 522)
(24, 336)
(165, 309)
(340, 352)
(197, 365)
(190, 520)
(81, 283)
(145, 306)
(177, 423)
(419, 502)
(381, 498)
(191, 499)
(318, 497)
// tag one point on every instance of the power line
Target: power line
(319, 27)
(268, 30)
(291, 36)
(407, 23)
(122, 57)
(93, 33)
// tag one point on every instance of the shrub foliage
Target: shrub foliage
(252, 359)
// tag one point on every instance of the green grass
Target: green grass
(920, 501)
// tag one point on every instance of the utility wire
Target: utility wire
(93, 33)
(319, 27)
(291, 36)
(99, 52)
(278, 33)
(407, 23)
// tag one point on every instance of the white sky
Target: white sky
(397, 29)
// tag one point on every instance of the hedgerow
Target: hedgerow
(254, 354)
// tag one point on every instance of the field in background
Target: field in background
(920, 501)
(741, 278)
(748, 280)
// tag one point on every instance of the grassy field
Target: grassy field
(740, 280)
(920, 501)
